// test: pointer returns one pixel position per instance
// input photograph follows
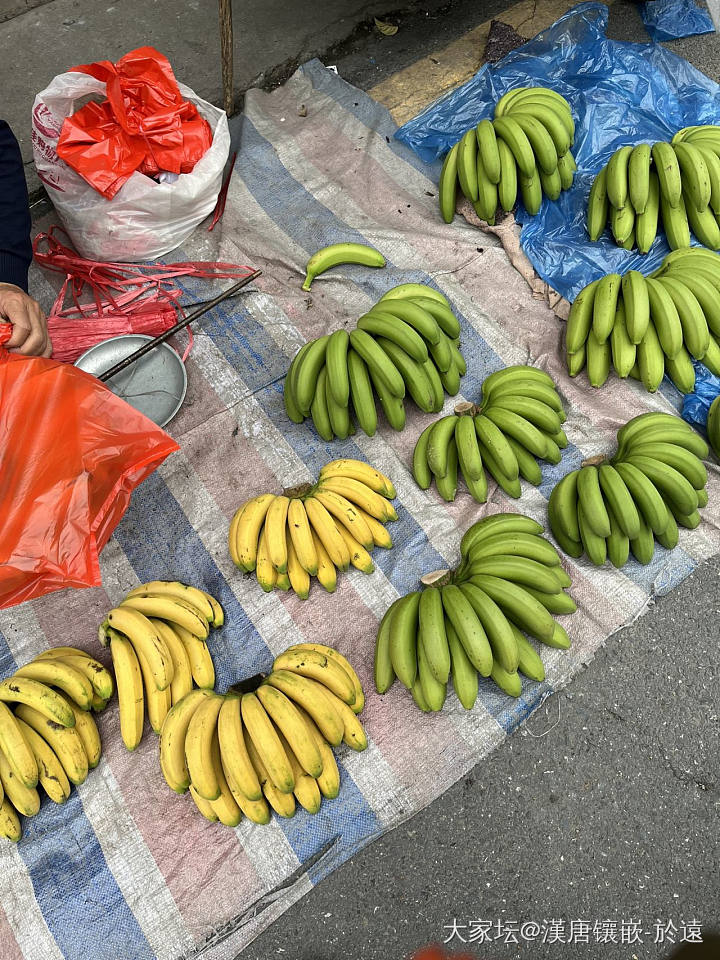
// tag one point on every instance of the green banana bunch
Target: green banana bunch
(676, 185)
(408, 343)
(612, 507)
(649, 326)
(472, 622)
(526, 147)
(519, 419)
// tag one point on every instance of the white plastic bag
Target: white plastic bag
(145, 219)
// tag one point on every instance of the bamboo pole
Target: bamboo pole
(226, 54)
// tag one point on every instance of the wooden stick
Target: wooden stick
(226, 55)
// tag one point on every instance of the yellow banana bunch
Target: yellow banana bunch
(471, 622)
(673, 185)
(519, 419)
(48, 737)
(612, 507)
(157, 638)
(314, 531)
(525, 149)
(270, 745)
(408, 343)
(646, 327)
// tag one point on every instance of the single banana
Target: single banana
(56, 673)
(702, 223)
(488, 149)
(329, 779)
(494, 440)
(172, 740)
(531, 191)
(354, 735)
(383, 670)
(131, 699)
(275, 532)
(337, 253)
(590, 499)
(447, 188)
(26, 800)
(508, 129)
(405, 291)
(619, 500)
(248, 532)
(201, 664)
(432, 634)
(622, 225)
(318, 666)
(225, 808)
(190, 596)
(361, 394)
(635, 299)
(204, 806)
(157, 702)
(617, 177)
(638, 171)
(65, 742)
(39, 696)
(467, 165)
(651, 360)
(297, 574)
(624, 351)
(326, 574)
(87, 730)
(16, 748)
(133, 624)
(681, 371)
(402, 635)
(464, 674)
(675, 223)
(665, 318)
(379, 364)
(694, 173)
(290, 723)
(595, 547)
(508, 185)
(200, 733)
(359, 557)
(323, 525)
(336, 366)
(646, 222)
(597, 209)
(496, 625)
(51, 774)
(310, 694)
(562, 507)
(307, 367)
(301, 536)
(696, 334)
(434, 692)
(567, 168)
(668, 172)
(468, 628)
(518, 606)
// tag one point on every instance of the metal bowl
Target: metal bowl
(155, 384)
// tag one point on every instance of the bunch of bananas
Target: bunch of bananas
(49, 738)
(649, 326)
(527, 145)
(269, 744)
(520, 418)
(313, 531)
(473, 620)
(677, 184)
(655, 481)
(408, 342)
(157, 640)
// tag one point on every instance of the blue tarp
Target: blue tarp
(672, 19)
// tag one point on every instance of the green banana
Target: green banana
(605, 305)
(508, 184)
(621, 346)
(413, 373)
(403, 639)
(488, 150)
(420, 467)
(540, 140)
(598, 356)
(468, 449)
(531, 191)
(580, 317)
(496, 625)
(508, 129)
(306, 373)
(379, 364)
(464, 674)
(447, 188)
(468, 628)
(639, 176)
(467, 165)
(647, 221)
(597, 209)
(617, 177)
(620, 503)
(361, 393)
(439, 442)
(591, 501)
(337, 253)
(432, 634)
(319, 408)
(651, 359)
(336, 366)
(636, 301)
(668, 172)
(665, 318)
(447, 484)
(694, 173)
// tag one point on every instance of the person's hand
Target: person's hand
(30, 333)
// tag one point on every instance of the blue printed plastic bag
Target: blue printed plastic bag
(672, 19)
(619, 93)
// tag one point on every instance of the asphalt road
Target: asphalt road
(603, 809)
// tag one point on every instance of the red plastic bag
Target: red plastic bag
(72, 453)
(145, 124)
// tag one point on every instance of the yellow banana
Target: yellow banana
(204, 806)
(9, 822)
(327, 576)
(311, 695)
(65, 742)
(233, 536)
(51, 775)
(157, 702)
(225, 807)
(361, 495)
(263, 736)
(276, 534)
(357, 470)
(381, 536)
(131, 699)
(172, 610)
(283, 803)
(16, 748)
(354, 735)
(143, 636)
(264, 570)
(172, 740)
(178, 591)
(201, 731)
(329, 779)
(26, 800)
(182, 681)
(321, 667)
(257, 811)
(348, 514)
(297, 574)
(307, 792)
(248, 530)
(344, 663)
(99, 677)
(201, 664)
(301, 536)
(218, 613)
(37, 695)
(239, 771)
(286, 718)
(359, 557)
(55, 673)
(87, 730)
(324, 526)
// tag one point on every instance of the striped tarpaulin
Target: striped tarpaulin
(126, 869)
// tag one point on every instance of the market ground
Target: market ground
(605, 805)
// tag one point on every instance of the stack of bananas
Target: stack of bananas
(268, 745)
(471, 620)
(527, 145)
(520, 418)
(649, 326)
(677, 184)
(407, 342)
(50, 738)
(655, 481)
(313, 531)
(157, 640)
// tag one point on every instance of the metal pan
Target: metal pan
(155, 384)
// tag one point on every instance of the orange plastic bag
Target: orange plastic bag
(71, 453)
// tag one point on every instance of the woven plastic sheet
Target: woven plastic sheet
(672, 19)
(619, 93)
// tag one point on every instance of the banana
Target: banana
(529, 662)
(520, 429)
(651, 360)
(668, 172)
(305, 373)
(689, 521)
(381, 537)
(508, 544)
(298, 576)
(290, 386)
(65, 742)
(638, 172)
(204, 806)
(199, 736)
(239, 771)
(646, 222)
(413, 373)
(264, 570)
(581, 317)
(218, 617)
(359, 557)
(696, 335)
(590, 500)
(509, 683)
(675, 223)
(336, 366)
(397, 331)
(564, 503)
(702, 223)
(622, 225)
(694, 173)
(383, 671)
(532, 389)
(528, 467)
(289, 721)
(26, 800)
(225, 808)
(531, 191)
(323, 525)
(132, 622)
(326, 574)
(522, 570)
(713, 426)
(318, 666)
(55, 673)
(635, 299)
(595, 547)
(488, 149)
(403, 627)
(508, 184)
(617, 177)
(447, 188)
(354, 735)
(551, 119)
(51, 775)
(190, 596)
(379, 364)
(540, 140)
(450, 379)
(360, 472)
(487, 201)
(509, 130)
(681, 371)
(128, 679)
(334, 654)
(712, 162)
(361, 394)
(232, 540)
(566, 168)
(518, 606)
(17, 749)
(514, 373)
(618, 543)
(332, 413)
(534, 411)
(685, 462)
(511, 487)
(438, 443)
(432, 634)
(598, 356)
(647, 497)
(301, 536)
(329, 779)
(201, 664)
(447, 486)
(671, 535)
(417, 314)
(433, 691)
(705, 292)
(248, 532)
(495, 624)
(467, 164)
(643, 546)
(598, 206)
(551, 183)
(623, 350)
(337, 253)
(274, 530)
(560, 603)
(311, 695)
(712, 357)
(283, 803)
(671, 483)
(441, 313)
(87, 730)
(620, 503)
(307, 791)
(172, 740)
(468, 450)
(100, 678)
(668, 424)
(665, 318)
(464, 674)
(158, 702)
(491, 527)
(405, 291)
(468, 628)
(35, 694)
(9, 822)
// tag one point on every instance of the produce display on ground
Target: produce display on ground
(523, 153)
(519, 419)
(408, 342)
(670, 186)
(314, 530)
(471, 622)
(654, 483)
(646, 327)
